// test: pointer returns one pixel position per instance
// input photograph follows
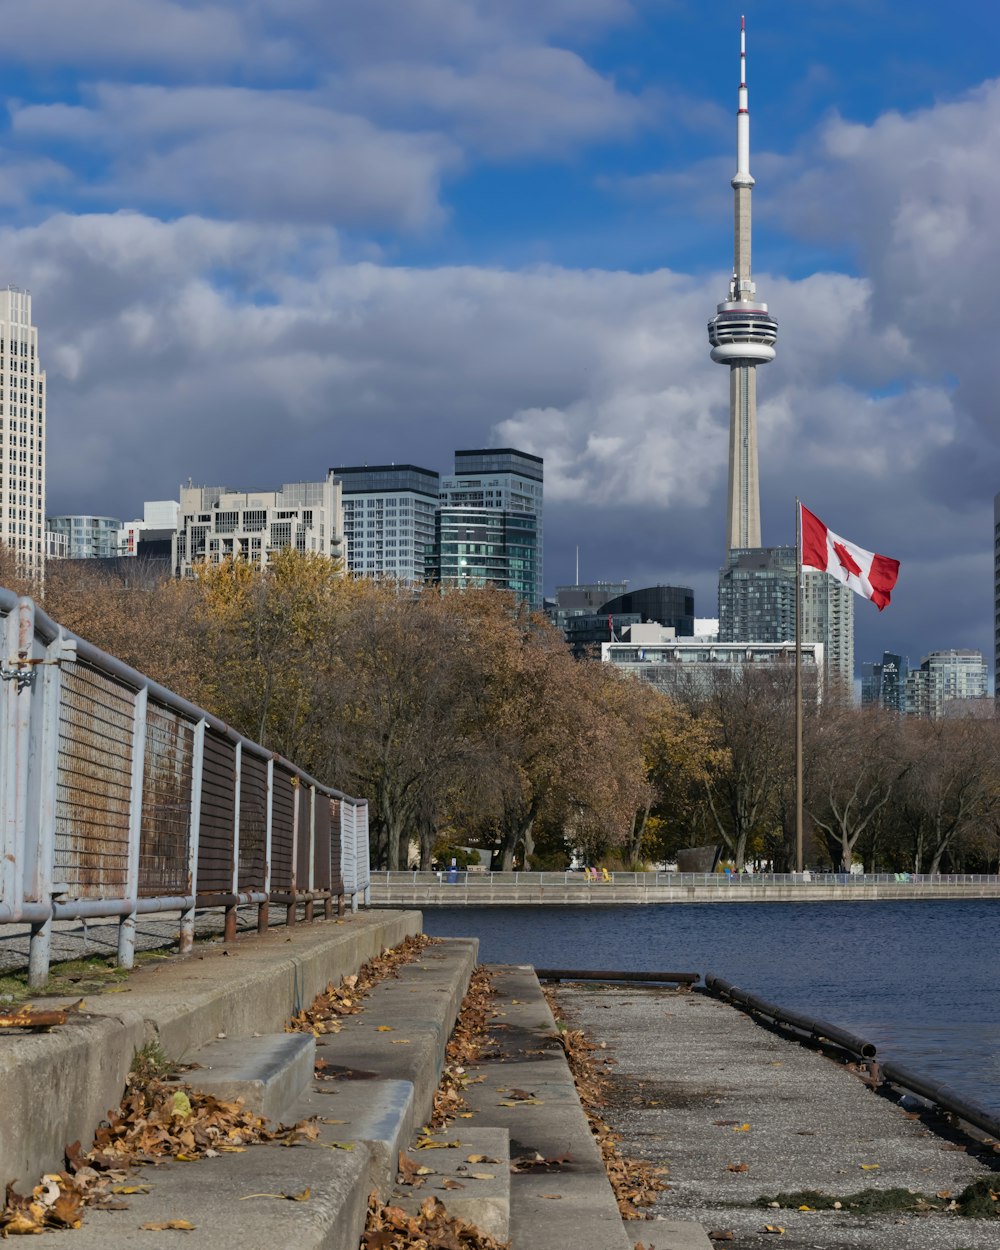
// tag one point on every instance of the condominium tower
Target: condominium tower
(389, 514)
(22, 433)
(489, 523)
(757, 604)
(742, 335)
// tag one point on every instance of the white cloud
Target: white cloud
(268, 155)
(131, 34)
(513, 101)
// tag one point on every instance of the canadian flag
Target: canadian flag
(865, 572)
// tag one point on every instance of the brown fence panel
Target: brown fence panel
(253, 821)
(218, 809)
(302, 855)
(336, 869)
(93, 785)
(282, 815)
(322, 861)
(166, 804)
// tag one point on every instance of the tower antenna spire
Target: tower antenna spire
(742, 335)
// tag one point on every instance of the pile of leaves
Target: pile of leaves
(155, 1121)
(636, 1182)
(323, 1014)
(980, 1200)
(432, 1228)
(469, 1043)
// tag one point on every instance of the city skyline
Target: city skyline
(364, 235)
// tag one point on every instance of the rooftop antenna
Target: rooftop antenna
(578, 564)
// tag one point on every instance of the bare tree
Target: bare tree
(855, 762)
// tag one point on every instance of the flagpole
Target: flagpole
(798, 689)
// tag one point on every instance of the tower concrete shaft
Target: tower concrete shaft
(743, 515)
(742, 335)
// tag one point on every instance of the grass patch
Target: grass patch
(977, 1201)
(150, 1063)
(94, 974)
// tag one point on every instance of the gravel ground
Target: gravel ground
(78, 939)
(684, 1061)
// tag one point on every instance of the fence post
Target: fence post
(40, 830)
(292, 912)
(264, 910)
(229, 929)
(126, 924)
(311, 876)
(185, 942)
(19, 630)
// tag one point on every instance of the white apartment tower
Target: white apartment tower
(22, 433)
(742, 335)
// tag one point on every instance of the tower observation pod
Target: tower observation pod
(742, 334)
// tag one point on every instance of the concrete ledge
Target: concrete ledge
(269, 1072)
(484, 1199)
(601, 894)
(366, 1119)
(584, 1212)
(58, 1086)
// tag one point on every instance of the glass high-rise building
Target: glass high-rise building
(87, 537)
(757, 604)
(389, 519)
(22, 433)
(884, 684)
(489, 523)
(945, 682)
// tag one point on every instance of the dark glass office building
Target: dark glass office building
(670, 606)
(489, 524)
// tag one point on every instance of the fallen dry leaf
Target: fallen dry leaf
(181, 1226)
(303, 1196)
(550, 1196)
(737, 1167)
(449, 1183)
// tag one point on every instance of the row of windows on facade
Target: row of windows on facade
(388, 506)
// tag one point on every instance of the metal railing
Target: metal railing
(120, 798)
(721, 881)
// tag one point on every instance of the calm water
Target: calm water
(919, 979)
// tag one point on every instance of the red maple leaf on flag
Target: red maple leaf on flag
(846, 559)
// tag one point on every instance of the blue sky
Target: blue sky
(268, 236)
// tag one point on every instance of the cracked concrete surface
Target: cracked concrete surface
(685, 1061)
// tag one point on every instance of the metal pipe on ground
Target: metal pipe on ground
(581, 974)
(942, 1097)
(810, 1025)
(892, 1073)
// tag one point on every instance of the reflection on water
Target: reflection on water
(918, 979)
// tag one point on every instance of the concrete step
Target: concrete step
(57, 1087)
(471, 1176)
(270, 1073)
(378, 1113)
(372, 1095)
(562, 1193)
(560, 1203)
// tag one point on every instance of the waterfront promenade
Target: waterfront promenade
(484, 889)
(740, 1114)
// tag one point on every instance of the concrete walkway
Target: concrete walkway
(691, 1073)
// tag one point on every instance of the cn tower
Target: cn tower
(743, 335)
